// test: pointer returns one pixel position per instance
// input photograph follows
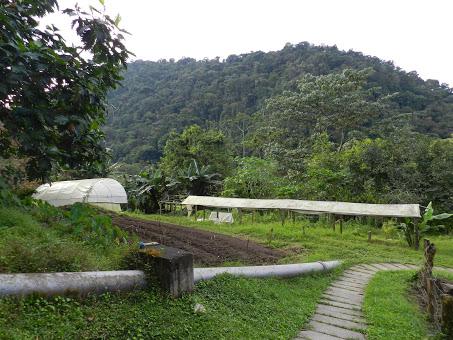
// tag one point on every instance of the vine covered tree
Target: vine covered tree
(206, 147)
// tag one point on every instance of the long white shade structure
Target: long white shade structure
(309, 207)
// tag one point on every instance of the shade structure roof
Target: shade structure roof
(95, 190)
(309, 207)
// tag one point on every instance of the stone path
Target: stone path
(339, 313)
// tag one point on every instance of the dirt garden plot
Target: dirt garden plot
(208, 248)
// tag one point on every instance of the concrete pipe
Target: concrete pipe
(80, 283)
(282, 270)
(83, 283)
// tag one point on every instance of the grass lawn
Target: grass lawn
(390, 311)
(320, 242)
(236, 308)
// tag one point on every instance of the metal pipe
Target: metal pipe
(80, 283)
(281, 270)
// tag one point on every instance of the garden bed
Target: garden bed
(208, 248)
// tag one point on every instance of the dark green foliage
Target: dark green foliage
(52, 98)
(253, 178)
(145, 190)
(405, 168)
(206, 147)
(159, 96)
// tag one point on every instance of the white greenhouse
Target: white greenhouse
(102, 192)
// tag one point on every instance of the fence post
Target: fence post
(332, 220)
(282, 216)
(417, 234)
(447, 315)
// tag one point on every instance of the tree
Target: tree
(52, 95)
(337, 103)
(237, 129)
(206, 147)
(254, 178)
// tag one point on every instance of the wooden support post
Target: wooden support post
(341, 225)
(293, 215)
(282, 216)
(204, 214)
(253, 216)
(332, 221)
(417, 233)
(369, 236)
(195, 214)
(240, 215)
(160, 208)
(430, 286)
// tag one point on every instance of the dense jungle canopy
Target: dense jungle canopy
(157, 97)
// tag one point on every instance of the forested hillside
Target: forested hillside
(157, 97)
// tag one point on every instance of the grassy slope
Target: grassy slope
(236, 308)
(44, 239)
(390, 312)
(321, 243)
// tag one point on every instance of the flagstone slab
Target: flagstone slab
(351, 325)
(340, 313)
(335, 331)
(313, 335)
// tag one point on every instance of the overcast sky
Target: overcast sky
(415, 35)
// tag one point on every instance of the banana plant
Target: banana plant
(145, 190)
(197, 180)
(413, 232)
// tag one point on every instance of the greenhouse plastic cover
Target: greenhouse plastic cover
(95, 190)
(309, 207)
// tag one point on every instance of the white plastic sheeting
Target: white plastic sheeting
(309, 207)
(221, 217)
(105, 192)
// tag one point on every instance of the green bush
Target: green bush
(390, 230)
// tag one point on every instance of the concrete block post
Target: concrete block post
(169, 268)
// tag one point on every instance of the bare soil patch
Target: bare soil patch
(208, 248)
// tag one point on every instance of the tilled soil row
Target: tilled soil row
(208, 248)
